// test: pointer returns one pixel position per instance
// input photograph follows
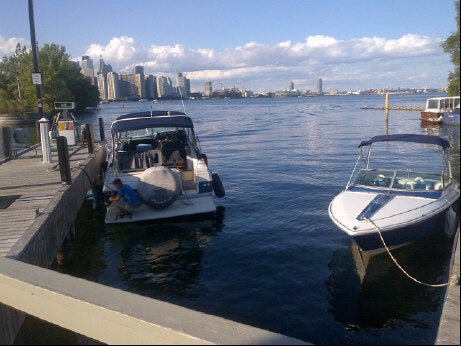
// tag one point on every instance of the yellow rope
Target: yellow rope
(398, 265)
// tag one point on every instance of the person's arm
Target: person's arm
(115, 198)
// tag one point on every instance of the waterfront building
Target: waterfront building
(151, 87)
(129, 86)
(164, 87)
(102, 86)
(208, 89)
(319, 86)
(113, 92)
(88, 68)
(140, 81)
(103, 68)
(292, 86)
(183, 85)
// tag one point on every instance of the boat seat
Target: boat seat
(438, 186)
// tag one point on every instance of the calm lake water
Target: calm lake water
(272, 258)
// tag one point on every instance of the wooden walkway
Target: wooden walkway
(449, 325)
(34, 184)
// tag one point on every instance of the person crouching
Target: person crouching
(125, 200)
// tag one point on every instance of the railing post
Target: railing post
(89, 138)
(102, 135)
(64, 162)
(45, 140)
(7, 148)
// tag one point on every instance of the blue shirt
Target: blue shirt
(129, 195)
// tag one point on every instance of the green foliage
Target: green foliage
(62, 81)
(452, 46)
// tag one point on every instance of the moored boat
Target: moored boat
(441, 110)
(156, 153)
(393, 207)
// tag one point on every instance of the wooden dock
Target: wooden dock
(38, 210)
(449, 325)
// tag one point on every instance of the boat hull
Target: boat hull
(394, 238)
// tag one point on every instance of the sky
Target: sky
(261, 45)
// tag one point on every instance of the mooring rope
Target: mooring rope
(400, 267)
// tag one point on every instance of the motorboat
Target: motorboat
(390, 208)
(441, 110)
(157, 154)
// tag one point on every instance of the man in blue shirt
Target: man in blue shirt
(125, 200)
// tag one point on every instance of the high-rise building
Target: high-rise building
(208, 89)
(87, 68)
(151, 87)
(292, 86)
(102, 86)
(129, 86)
(140, 81)
(103, 68)
(113, 92)
(164, 86)
(183, 84)
(319, 87)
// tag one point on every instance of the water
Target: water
(272, 258)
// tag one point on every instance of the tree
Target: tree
(451, 46)
(62, 81)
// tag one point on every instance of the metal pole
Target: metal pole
(33, 42)
(45, 140)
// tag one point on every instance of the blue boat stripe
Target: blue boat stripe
(377, 203)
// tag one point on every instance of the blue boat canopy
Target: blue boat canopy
(128, 124)
(426, 139)
(148, 114)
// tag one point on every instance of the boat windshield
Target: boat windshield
(401, 180)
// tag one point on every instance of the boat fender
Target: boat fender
(158, 187)
(217, 185)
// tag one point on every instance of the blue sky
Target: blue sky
(257, 44)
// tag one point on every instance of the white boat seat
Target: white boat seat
(438, 186)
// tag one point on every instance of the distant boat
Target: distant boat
(400, 205)
(441, 110)
(157, 154)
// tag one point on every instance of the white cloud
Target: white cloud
(411, 60)
(8, 46)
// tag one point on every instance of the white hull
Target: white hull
(183, 206)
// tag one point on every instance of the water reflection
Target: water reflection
(372, 292)
(163, 258)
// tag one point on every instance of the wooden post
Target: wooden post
(64, 162)
(387, 102)
(89, 138)
(7, 148)
(102, 135)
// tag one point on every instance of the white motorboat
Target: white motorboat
(399, 205)
(157, 154)
(441, 110)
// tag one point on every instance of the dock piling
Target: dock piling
(102, 135)
(7, 148)
(89, 135)
(387, 102)
(45, 140)
(64, 161)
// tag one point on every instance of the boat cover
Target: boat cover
(148, 114)
(148, 122)
(426, 139)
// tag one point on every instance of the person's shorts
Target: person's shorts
(124, 205)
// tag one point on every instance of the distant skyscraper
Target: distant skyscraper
(103, 68)
(208, 89)
(319, 87)
(151, 87)
(164, 86)
(129, 86)
(102, 86)
(87, 68)
(292, 86)
(183, 84)
(140, 81)
(113, 92)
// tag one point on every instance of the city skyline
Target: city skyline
(257, 45)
